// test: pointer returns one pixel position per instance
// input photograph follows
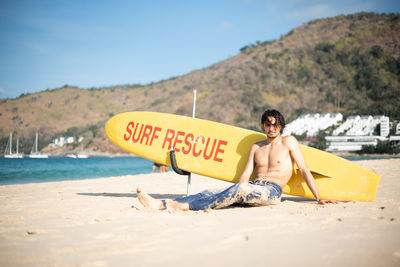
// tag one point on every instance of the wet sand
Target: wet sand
(100, 222)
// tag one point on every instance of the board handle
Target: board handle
(175, 165)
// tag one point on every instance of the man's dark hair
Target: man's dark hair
(280, 120)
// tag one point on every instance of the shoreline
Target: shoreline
(87, 153)
(34, 180)
(122, 154)
(348, 154)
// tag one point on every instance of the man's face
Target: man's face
(271, 127)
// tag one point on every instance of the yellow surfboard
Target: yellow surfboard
(220, 151)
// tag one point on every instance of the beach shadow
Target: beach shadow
(133, 195)
(108, 194)
(243, 149)
(167, 196)
(296, 199)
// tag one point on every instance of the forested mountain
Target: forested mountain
(348, 64)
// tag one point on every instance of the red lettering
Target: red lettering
(179, 133)
(207, 157)
(219, 150)
(146, 133)
(154, 136)
(126, 138)
(188, 143)
(168, 139)
(196, 154)
(135, 140)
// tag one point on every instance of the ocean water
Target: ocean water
(27, 170)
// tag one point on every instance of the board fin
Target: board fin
(316, 174)
(319, 175)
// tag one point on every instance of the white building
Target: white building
(351, 143)
(350, 135)
(311, 124)
(62, 141)
(358, 131)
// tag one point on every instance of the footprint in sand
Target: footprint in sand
(234, 239)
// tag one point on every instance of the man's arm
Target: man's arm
(248, 169)
(298, 157)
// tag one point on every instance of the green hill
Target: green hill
(348, 64)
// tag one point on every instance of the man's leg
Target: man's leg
(241, 193)
(156, 204)
(231, 195)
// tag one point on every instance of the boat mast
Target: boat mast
(10, 143)
(36, 147)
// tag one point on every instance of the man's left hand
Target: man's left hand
(326, 201)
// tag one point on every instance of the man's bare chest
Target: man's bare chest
(272, 155)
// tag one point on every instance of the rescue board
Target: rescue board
(220, 151)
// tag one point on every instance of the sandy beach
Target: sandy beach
(99, 222)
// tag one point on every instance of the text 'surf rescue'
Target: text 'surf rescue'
(185, 142)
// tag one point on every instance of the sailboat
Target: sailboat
(8, 151)
(35, 154)
(77, 156)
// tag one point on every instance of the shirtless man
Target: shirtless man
(273, 162)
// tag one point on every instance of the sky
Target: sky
(46, 44)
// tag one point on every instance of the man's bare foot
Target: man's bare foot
(155, 204)
(148, 201)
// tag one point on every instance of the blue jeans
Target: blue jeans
(258, 193)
